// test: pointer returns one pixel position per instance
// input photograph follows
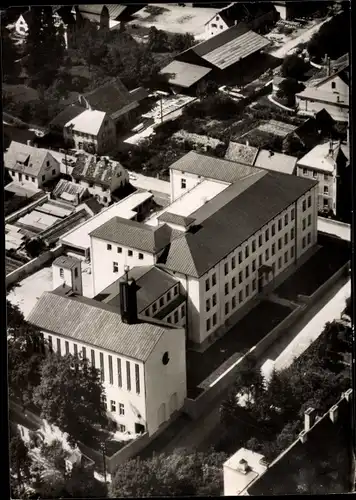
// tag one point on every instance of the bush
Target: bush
(294, 66)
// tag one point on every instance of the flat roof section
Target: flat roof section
(184, 74)
(79, 237)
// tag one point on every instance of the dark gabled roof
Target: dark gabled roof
(94, 205)
(133, 234)
(230, 46)
(110, 97)
(212, 168)
(338, 67)
(204, 245)
(96, 324)
(180, 220)
(244, 12)
(184, 74)
(241, 153)
(65, 116)
(151, 283)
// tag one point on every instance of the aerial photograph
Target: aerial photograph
(177, 229)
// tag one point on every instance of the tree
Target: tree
(34, 247)
(293, 66)
(157, 40)
(70, 396)
(20, 461)
(177, 474)
(179, 42)
(9, 54)
(82, 484)
(207, 88)
(333, 37)
(288, 88)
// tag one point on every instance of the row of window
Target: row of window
(61, 272)
(120, 407)
(309, 201)
(28, 177)
(83, 355)
(174, 318)
(165, 299)
(119, 250)
(304, 222)
(316, 174)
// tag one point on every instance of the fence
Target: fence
(23, 211)
(33, 265)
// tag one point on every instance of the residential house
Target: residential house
(22, 23)
(141, 360)
(92, 131)
(57, 124)
(258, 16)
(318, 462)
(230, 54)
(29, 166)
(324, 163)
(227, 233)
(313, 131)
(105, 16)
(70, 193)
(329, 92)
(184, 77)
(100, 175)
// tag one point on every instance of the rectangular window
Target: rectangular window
(168, 296)
(111, 376)
(214, 299)
(279, 262)
(59, 346)
(226, 288)
(273, 249)
(154, 308)
(226, 268)
(176, 318)
(183, 183)
(102, 374)
(315, 175)
(214, 319)
(292, 253)
(285, 257)
(292, 233)
(309, 201)
(254, 265)
(309, 220)
(260, 240)
(175, 290)
(279, 224)
(267, 234)
(260, 260)
(240, 277)
(326, 189)
(112, 406)
(207, 285)
(128, 375)
(254, 285)
(208, 324)
(130, 253)
(247, 252)
(140, 256)
(108, 246)
(241, 296)
(104, 402)
(50, 343)
(286, 220)
(279, 243)
(75, 346)
(61, 273)
(273, 229)
(169, 319)
(304, 205)
(26, 177)
(147, 312)
(247, 272)
(119, 250)
(115, 267)
(182, 311)
(305, 171)
(253, 246)
(286, 239)
(304, 224)
(233, 302)
(233, 263)
(92, 358)
(43, 177)
(309, 238)
(137, 378)
(292, 214)
(161, 302)
(226, 308)
(207, 305)
(240, 257)
(121, 409)
(213, 279)
(84, 353)
(121, 427)
(233, 283)
(267, 254)
(247, 291)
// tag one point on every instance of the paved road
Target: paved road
(304, 37)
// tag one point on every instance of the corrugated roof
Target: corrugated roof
(230, 46)
(275, 127)
(114, 10)
(99, 172)
(133, 234)
(211, 168)
(66, 262)
(87, 321)
(180, 220)
(184, 74)
(241, 153)
(276, 162)
(197, 251)
(69, 187)
(26, 159)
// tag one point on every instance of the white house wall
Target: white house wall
(215, 26)
(163, 381)
(336, 85)
(326, 180)
(176, 177)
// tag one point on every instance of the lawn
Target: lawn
(317, 270)
(244, 335)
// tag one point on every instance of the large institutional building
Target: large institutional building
(177, 279)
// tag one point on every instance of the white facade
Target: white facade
(240, 470)
(183, 182)
(327, 186)
(102, 141)
(103, 193)
(215, 26)
(135, 391)
(70, 277)
(50, 169)
(21, 26)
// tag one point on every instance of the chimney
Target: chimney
(243, 466)
(303, 436)
(328, 67)
(247, 142)
(347, 395)
(128, 300)
(29, 142)
(309, 416)
(333, 413)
